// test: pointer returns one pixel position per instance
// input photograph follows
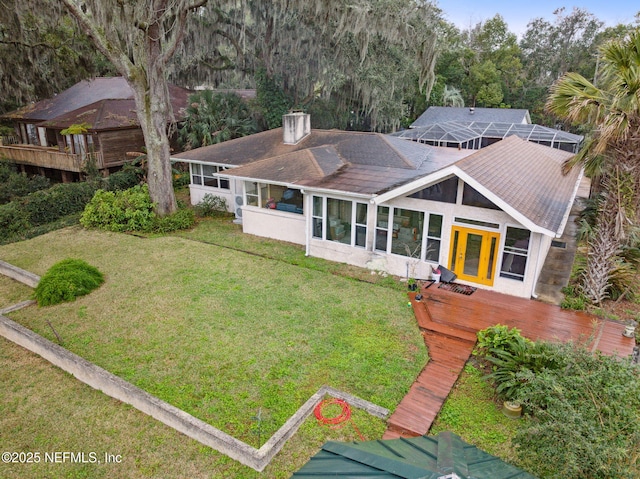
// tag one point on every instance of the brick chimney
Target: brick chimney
(295, 126)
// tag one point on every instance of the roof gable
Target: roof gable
(524, 178)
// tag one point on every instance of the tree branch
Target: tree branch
(115, 54)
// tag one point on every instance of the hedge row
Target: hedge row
(44, 206)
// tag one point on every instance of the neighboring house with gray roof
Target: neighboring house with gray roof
(393, 205)
(442, 114)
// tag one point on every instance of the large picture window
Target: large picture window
(209, 175)
(338, 220)
(275, 197)
(401, 231)
(516, 252)
(406, 239)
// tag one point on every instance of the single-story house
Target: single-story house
(394, 205)
(105, 110)
(445, 456)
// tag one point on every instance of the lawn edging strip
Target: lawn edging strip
(115, 387)
(19, 274)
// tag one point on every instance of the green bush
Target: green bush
(128, 210)
(13, 220)
(66, 280)
(509, 354)
(498, 337)
(43, 207)
(510, 365)
(181, 220)
(16, 185)
(584, 417)
(60, 200)
(212, 205)
(122, 180)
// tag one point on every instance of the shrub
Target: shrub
(128, 210)
(66, 280)
(509, 354)
(584, 417)
(511, 365)
(17, 185)
(60, 200)
(43, 207)
(211, 205)
(498, 337)
(181, 220)
(122, 180)
(13, 220)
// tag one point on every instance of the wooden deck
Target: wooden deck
(449, 322)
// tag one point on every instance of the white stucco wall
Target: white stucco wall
(274, 224)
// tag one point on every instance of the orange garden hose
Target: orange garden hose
(338, 420)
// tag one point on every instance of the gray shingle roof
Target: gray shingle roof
(520, 176)
(357, 162)
(526, 176)
(441, 114)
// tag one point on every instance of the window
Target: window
(516, 251)
(471, 197)
(434, 234)
(406, 238)
(339, 222)
(209, 175)
(251, 191)
(317, 215)
(446, 191)
(342, 221)
(275, 197)
(382, 228)
(483, 224)
(196, 174)
(361, 224)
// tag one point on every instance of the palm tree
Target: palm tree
(611, 151)
(452, 97)
(215, 117)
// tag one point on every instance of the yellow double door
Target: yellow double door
(473, 254)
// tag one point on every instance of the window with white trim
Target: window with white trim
(275, 197)
(317, 216)
(434, 235)
(209, 175)
(515, 254)
(406, 239)
(343, 221)
(382, 228)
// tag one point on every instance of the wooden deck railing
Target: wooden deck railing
(48, 157)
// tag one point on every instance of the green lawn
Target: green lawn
(221, 334)
(472, 413)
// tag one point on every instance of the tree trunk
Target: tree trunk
(603, 248)
(154, 115)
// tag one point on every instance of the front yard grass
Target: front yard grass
(223, 335)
